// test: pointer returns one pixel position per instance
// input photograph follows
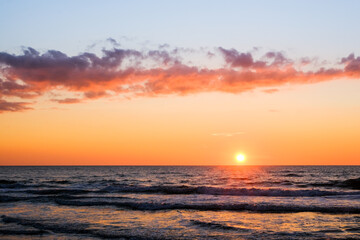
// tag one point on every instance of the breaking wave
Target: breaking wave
(260, 208)
(272, 192)
(42, 227)
(353, 183)
(215, 225)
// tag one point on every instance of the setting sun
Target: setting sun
(240, 157)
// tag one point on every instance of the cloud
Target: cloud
(155, 72)
(278, 58)
(67, 100)
(13, 106)
(236, 59)
(352, 64)
(113, 42)
(270, 90)
(95, 94)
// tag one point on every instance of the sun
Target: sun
(240, 157)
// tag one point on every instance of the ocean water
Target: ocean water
(180, 202)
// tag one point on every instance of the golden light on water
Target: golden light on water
(240, 157)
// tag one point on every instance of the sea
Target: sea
(180, 202)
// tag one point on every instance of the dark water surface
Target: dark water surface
(179, 202)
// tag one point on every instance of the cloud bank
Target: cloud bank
(142, 73)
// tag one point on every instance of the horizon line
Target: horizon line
(213, 165)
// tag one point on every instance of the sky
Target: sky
(179, 82)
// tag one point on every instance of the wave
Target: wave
(59, 181)
(213, 225)
(352, 183)
(72, 228)
(58, 191)
(272, 192)
(353, 229)
(292, 175)
(4, 199)
(16, 187)
(260, 208)
(47, 198)
(3, 181)
(13, 186)
(22, 232)
(20, 185)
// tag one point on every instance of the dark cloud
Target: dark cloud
(150, 73)
(95, 94)
(348, 59)
(13, 106)
(10, 86)
(162, 57)
(56, 68)
(278, 58)
(352, 64)
(237, 59)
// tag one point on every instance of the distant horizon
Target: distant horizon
(238, 165)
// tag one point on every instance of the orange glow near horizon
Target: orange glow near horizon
(290, 127)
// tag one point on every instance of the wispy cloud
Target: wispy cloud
(13, 106)
(161, 71)
(270, 90)
(67, 100)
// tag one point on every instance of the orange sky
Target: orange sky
(179, 83)
(299, 124)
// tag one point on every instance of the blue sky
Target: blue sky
(324, 29)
